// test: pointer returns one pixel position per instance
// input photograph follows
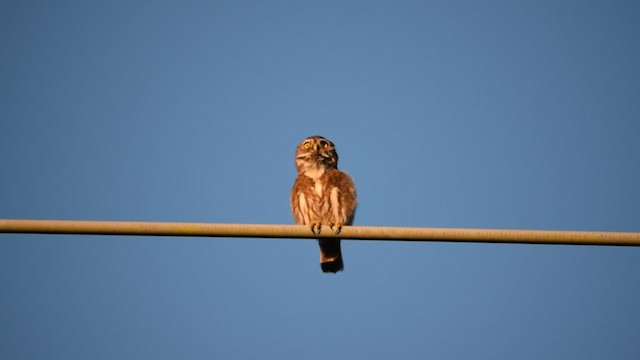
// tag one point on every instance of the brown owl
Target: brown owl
(322, 195)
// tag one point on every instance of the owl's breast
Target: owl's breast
(318, 187)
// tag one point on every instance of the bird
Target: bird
(323, 196)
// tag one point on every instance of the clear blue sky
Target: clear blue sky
(493, 114)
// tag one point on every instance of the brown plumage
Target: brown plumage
(322, 196)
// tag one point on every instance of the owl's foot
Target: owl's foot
(315, 228)
(336, 228)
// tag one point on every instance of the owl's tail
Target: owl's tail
(330, 255)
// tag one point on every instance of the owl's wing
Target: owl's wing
(342, 197)
(299, 203)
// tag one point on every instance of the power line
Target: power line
(298, 231)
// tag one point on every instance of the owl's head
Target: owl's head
(316, 153)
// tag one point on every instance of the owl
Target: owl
(323, 196)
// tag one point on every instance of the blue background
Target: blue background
(492, 114)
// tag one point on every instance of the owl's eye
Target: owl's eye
(307, 145)
(324, 144)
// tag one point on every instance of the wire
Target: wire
(298, 231)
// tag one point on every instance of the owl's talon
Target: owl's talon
(336, 228)
(315, 228)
